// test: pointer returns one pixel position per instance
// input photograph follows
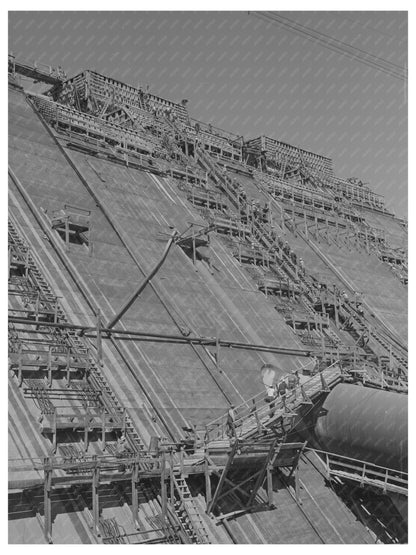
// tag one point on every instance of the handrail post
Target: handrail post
(328, 471)
(363, 475)
(386, 480)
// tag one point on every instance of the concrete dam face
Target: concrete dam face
(182, 300)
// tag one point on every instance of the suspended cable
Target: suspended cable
(311, 35)
(355, 55)
(337, 41)
(335, 45)
(320, 38)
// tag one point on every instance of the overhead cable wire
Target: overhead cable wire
(314, 36)
(343, 44)
(336, 45)
(353, 53)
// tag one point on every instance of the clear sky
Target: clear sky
(251, 76)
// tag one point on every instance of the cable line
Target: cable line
(340, 47)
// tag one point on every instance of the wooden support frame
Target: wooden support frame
(235, 486)
(67, 233)
(305, 397)
(99, 338)
(54, 432)
(295, 471)
(47, 501)
(103, 430)
(265, 470)
(135, 494)
(215, 497)
(269, 477)
(164, 494)
(207, 473)
(95, 484)
(171, 478)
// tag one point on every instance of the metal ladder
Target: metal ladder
(375, 335)
(188, 513)
(96, 375)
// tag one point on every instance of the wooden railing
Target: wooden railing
(257, 413)
(363, 472)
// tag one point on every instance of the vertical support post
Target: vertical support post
(86, 426)
(328, 471)
(103, 444)
(68, 366)
(193, 248)
(55, 312)
(297, 489)
(67, 233)
(208, 491)
(181, 453)
(322, 333)
(50, 366)
(163, 486)
(37, 306)
(20, 365)
(99, 338)
(124, 420)
(336, 309)
(172, 485)
(363, 474)
(217, 349)
(293, 219)
(95, 497)
(9, 260)
(269, 484)
(135, 493)
(90, 247)
(47, 503)
(27, 265)
(390, 359)
(54, 431)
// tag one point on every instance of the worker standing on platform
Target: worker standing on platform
(282, 388)
(286, 248)
(294, 258)
(363, 340)
(292, 381)
(297, 378)
(256, 210)
(360, 309)
(121, 445)
(230, 424)
(265, 213)
(271, 395)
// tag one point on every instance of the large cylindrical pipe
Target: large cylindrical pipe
(365, 423)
